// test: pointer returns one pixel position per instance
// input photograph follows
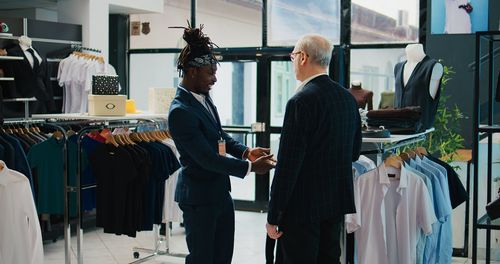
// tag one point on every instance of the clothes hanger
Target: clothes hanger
(404, 156)
(57, 134)
(422, 151)
(135, 137)
(393, 161)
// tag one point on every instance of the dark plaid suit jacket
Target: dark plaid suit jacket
(320, 138)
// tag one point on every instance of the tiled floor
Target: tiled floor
(103, 248)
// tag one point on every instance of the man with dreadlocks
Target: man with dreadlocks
(203, 187)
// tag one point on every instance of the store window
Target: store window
(375, 69)
(231, 23)
(289, 19)
(283, 86)
(142, 76)
(153, 31)
(235, 93)
(384, 21)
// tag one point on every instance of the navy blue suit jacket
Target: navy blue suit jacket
(320, 138)
(204, 177)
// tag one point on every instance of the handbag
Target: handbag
(105, 84)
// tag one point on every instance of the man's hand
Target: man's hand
(263, 164)
(272, 231)
(255, 153)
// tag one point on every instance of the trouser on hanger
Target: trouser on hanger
(270, 245)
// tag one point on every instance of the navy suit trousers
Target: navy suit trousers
(209, 232)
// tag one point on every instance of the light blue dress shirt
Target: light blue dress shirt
(445, 242)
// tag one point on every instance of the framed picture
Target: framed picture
(459, 16)
(135, 28)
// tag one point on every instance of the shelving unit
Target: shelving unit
(51, 40)
(484, 82)
(10, 58)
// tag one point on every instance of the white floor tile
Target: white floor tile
(102, 248)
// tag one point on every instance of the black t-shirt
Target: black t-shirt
(114, 169)
(458, 194)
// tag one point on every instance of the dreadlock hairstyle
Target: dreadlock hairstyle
(199, 49)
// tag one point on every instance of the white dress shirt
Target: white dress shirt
(203, 101)
(29, 56)
(390, 214)
(20, 234)
(302, 84)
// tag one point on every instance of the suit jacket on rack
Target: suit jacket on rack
(320, 138)
(29, 83)
(204, 177)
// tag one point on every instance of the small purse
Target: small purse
(105, 84)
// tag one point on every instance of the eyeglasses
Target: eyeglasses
(292, 55)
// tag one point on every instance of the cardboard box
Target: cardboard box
(107, 105)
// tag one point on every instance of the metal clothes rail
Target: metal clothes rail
(93, 123)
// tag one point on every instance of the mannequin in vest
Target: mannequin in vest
(418, 83)
(363, 97)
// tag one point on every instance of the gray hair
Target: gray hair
(317, 47)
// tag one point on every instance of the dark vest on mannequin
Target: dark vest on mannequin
(31, 82)
(416, 91)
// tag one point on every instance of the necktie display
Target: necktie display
(36, 62)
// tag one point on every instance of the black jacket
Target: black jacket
(29, 83)
(320, 138)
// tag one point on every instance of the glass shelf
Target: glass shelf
(486, 223)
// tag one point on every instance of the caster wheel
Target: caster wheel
(136, 255)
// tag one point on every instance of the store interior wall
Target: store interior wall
(32, 13)
(458, 51)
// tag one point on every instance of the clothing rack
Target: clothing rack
(78, 47)
(93, 123)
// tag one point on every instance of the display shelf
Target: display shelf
(31, 99)
(489, 129)
(397, 138)
(11, 58)
(484, 81)
(85, 116)
(485, 222)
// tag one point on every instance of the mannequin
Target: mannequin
(25, 44)
(363, 97)
(418, 83)
(415, 54)
(31, 77)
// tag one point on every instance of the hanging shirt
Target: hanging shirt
(171, 210)
(405, 201)
(46, 159)
(457, 19)
(21, 237)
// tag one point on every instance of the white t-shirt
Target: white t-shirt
(457, 19)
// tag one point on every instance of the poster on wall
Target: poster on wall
(459, 16)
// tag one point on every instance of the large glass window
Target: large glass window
(235, 93)
(375, 69)
(384, 21)
(283, 86)
(175, 13)
(289, 19)
(142, 76)
(231, 23)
